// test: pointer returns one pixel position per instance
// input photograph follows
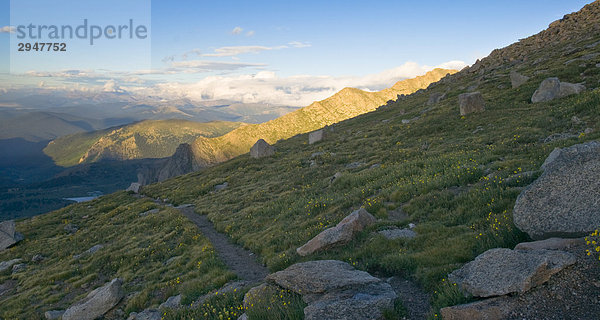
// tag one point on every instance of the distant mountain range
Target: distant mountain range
(346, 104)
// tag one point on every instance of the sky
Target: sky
(279, 52)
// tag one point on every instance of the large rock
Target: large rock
(335, 290)
(550, 244)
(489, 309)
(173, 302)
(502, 271)
(53, 314)
(471, 102)
(316, 136)
(563, 201)
(5, 265)
(97, 302)
(8, 235)
(342, 233)
(552, 88)
(148, 314)
(134, 187)
(261, 149)
(517, 79)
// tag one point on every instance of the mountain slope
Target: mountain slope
(40, 126)
(145, 139)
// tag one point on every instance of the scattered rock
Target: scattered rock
(316, 154)
(435, 98)
(342, 233)
(71, 228)
(517, 79)
(489, 309)
(335, 290)
(149, 212)
(173, 302)
(588, 130)
(405, 121)
(355, 165)
(170, 260)
(135, 187)
(470, 103)
(54, 314)
(8, 235)
(19, 268)
(148, 314)
(38, 258)
(89, 251)
(221, 186)
(563, 201)
(316, 136)
(393, 234)
(502, 271)
(185, 205)
(97, 302)
(550, 244)
(375, 166)
(552, 88)
(261, 149)
(5, 265)
(559, 136)
(336, 176)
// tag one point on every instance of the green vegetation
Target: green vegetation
(145, 139)
(158, 255)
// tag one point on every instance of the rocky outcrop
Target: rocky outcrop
(489, 309)
(316, 136)
(335, 290)
(53, 314)
(181, 162)
(5, 265)
(517, 79)
(470, 103)
(134, 187)
(8, 235)
(173, 302)
(261, 149)
(552, 88)
(342, 233)
(563, 201)
(97, 302)
(499, 272)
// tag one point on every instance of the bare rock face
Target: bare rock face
(470, 103)
(552, 88)
(8, 235)
(261, 149)
(335, 290)
(316, 136)
(181, 162)
(489, 309)
(563, 201)
(97, 302)
(502, 271)
(342, 233)
(5, 265)
(517, 79)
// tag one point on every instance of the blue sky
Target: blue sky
(196, 44)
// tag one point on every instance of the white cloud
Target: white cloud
(298, 44)
(237, 50)
(250, 33)
(8, 29)
(193, 66)
(237, 30)
(299, 90)
(111, 86)
(195, 52)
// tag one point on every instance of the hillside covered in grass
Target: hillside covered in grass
(145, 139)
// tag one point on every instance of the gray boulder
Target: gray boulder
(149, 212)
(19, 268)
(471, 102)
(221, 186)
(148, 314)
(552, 88)
(5, 265)
(53, 314)
(393, 234)
(97, 303)
(342, 233)
(135, 187)
(489, 309)
(335, 290)
(435, 98)
(502, 271)
(563, 201)
(261, 149)
(8, 235)
(173, 302)
(89, 251)
(517, 79)
(38, 258)
(71, 228)
(550, 244)
(316, 136)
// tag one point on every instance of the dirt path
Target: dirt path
(413, 298)
(241, 261)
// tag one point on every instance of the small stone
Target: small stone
(221, 186)
(37, 258)
(19, 268)
(149, 212)
(54, 314)
(173, 302)
(393, 234)
(71, 228)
